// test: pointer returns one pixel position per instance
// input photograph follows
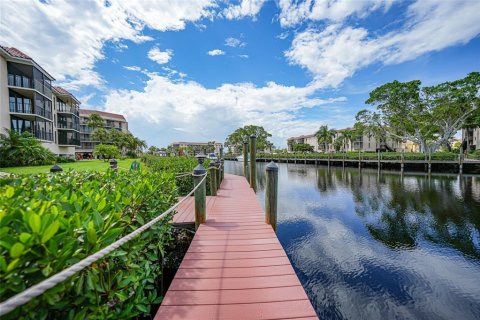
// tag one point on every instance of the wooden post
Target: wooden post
(218, 173)
(222, 161)
(200, 193)
(402, 164)
(379, 160)
(359, 160)
(213, 179)
(271, 195)
(245, 159)
(253, 162)
(429, 163)
(460, 161)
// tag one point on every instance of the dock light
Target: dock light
(56, 168)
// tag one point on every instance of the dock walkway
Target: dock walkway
(235, 267)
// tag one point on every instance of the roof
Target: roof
(87, 112)
(15, 53)
(63, 92)
(302, 137)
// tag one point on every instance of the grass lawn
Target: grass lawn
(83, 165)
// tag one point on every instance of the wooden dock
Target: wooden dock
(235, 267)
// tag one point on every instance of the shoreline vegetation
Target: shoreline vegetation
(50, 221)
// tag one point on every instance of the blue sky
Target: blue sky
(197, 70)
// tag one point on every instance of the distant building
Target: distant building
(29, 102)
(471, 136)
(364, 143)
(112, 121)
(197, 147)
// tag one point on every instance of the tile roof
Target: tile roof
(62, 91)
(87, 112)
(14, 52)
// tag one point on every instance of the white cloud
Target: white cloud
(234, 42)
(337, 52)
(216, 52)
(213, 113)
(132, 68)
(70, 35)
(294, 12)
(160, 57)
(244, 56)
(246, 8)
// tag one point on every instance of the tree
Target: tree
(291, 145)
(95, 121)
(429, 116)
(106, 151)
(235, 140)
(101, 135)
(153, 150)
(20, 149)
(303, 147)
(324, 136)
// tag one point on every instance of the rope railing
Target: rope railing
(38, 289)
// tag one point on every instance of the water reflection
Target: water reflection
(376, 245)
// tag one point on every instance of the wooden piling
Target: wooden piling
(271, 195)
(200, 193)
(213, 179)
(253, 167)
(245, 159)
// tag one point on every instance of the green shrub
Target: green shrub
(176, 165)
(49, 222)
(352, 155)
(23, 149)
(476, 154)
(106, 151)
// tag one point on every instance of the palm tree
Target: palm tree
(348, 136)
(325, 136)
(94, 121)
(22, 149)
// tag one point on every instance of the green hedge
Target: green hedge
(447, 156)
(49, 222)
(176, 165)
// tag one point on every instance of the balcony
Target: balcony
(16, 80)
(21, 108)
(68, 141)
(42, 135)
(68, 125)
(43, 113)
(65, 108)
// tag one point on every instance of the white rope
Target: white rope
(36, 290)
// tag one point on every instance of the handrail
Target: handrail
(36, 290)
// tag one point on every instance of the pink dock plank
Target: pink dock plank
(235, 267)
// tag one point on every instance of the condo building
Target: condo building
(29, 102)
(87, 143)
(198, 147)
(364, 143)
(471, 138)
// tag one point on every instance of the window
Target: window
(19, 104)
(12, 104)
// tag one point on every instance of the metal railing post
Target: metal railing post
(213, 179)
(271, 195)
(200, 193)
(253, 162)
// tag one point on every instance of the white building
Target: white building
(28, 102)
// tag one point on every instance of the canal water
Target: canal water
(370, 245)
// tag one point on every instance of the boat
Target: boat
(240, 158)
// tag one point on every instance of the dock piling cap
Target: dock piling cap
(272, 166)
